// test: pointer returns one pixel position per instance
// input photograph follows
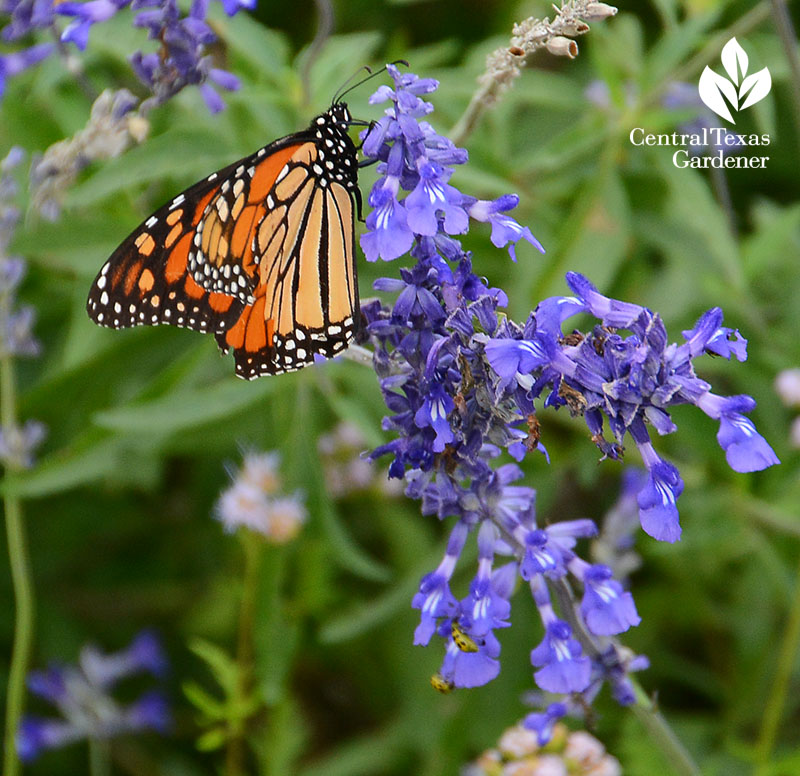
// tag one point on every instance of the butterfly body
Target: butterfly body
(260, 253)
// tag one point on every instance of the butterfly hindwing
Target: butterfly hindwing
(260, 253)
(307, 301)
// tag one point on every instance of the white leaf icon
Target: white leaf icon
(758, 86)
(733, 54)
(712, 87)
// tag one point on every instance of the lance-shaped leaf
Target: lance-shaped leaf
(732, 55)
(711, 89)
(755, 88)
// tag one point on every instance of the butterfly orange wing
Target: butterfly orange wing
(260, 253)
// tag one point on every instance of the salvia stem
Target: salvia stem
(21, 579)
(662, 734)
(99, 757)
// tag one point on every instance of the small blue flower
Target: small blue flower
(86, 14)
(232, 7)
(434, 196)
(434, 599)
(35, 735)
(564, 668)
(745, 449)
(27, 16)
(14, 63)
(82, 694)
(505, 230)
(433, 412)
(388, 235)
(542, 723)
(658, 512)
(606, 608)
(471, 669)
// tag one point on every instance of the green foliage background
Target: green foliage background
(142, 422)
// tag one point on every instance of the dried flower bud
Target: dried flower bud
(572, 27)
(597, 11)
(562, 47)
(516, 51)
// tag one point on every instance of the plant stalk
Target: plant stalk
(235, 752)
(24, 603)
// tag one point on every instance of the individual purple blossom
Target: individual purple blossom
(542, 723)
(26, 17)
(84, 16)
(14, 63)
(144, 654)
(82, 694)
(505, 230)
(232, 7)
(607, 609)
(434, 599)
(564, 667)
(745, 449)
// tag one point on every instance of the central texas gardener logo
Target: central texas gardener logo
(740, 90)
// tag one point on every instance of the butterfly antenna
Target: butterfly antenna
(343, 91)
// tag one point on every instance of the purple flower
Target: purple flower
(184, 39)
(505, 230)
(86, 14)
(82, 695)
(607, 609)
(388, 234)
(658, 512)
(232, 7)
(434, 196)
(143, 654)
(36, 734)
(745, 449)
(18, 443)
(434, 599)
(564, 666)
(542, 723)
(460, 380)
(471, 669)
(14, 63)
(433, 412)
(27, 16)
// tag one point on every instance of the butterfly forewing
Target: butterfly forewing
(260, 253)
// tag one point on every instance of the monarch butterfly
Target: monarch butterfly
(261, 253)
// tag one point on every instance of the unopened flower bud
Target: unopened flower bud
(597, 11)
(562, 47)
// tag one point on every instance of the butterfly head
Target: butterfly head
(339, 115)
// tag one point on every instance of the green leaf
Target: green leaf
(187, 154)
(222, 665)
(185, 409)
(212, 739)
(203, 701)
(66, 469)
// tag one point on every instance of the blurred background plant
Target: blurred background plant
(139, 421)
